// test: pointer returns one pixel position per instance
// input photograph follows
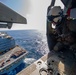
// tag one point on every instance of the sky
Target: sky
(33, 10)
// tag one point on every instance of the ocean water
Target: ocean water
(34, 42)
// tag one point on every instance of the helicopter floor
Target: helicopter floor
(53, 63)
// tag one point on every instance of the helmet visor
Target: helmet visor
(50, 18)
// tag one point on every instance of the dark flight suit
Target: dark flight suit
(66, 33)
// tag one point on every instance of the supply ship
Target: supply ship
(11, 55)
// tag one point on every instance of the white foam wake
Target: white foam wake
(29, 60)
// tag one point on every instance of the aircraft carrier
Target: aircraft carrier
(11, 55)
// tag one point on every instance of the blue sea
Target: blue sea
(34, 42)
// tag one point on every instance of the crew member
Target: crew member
(64, 29)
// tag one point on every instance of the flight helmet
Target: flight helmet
(55, 14)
